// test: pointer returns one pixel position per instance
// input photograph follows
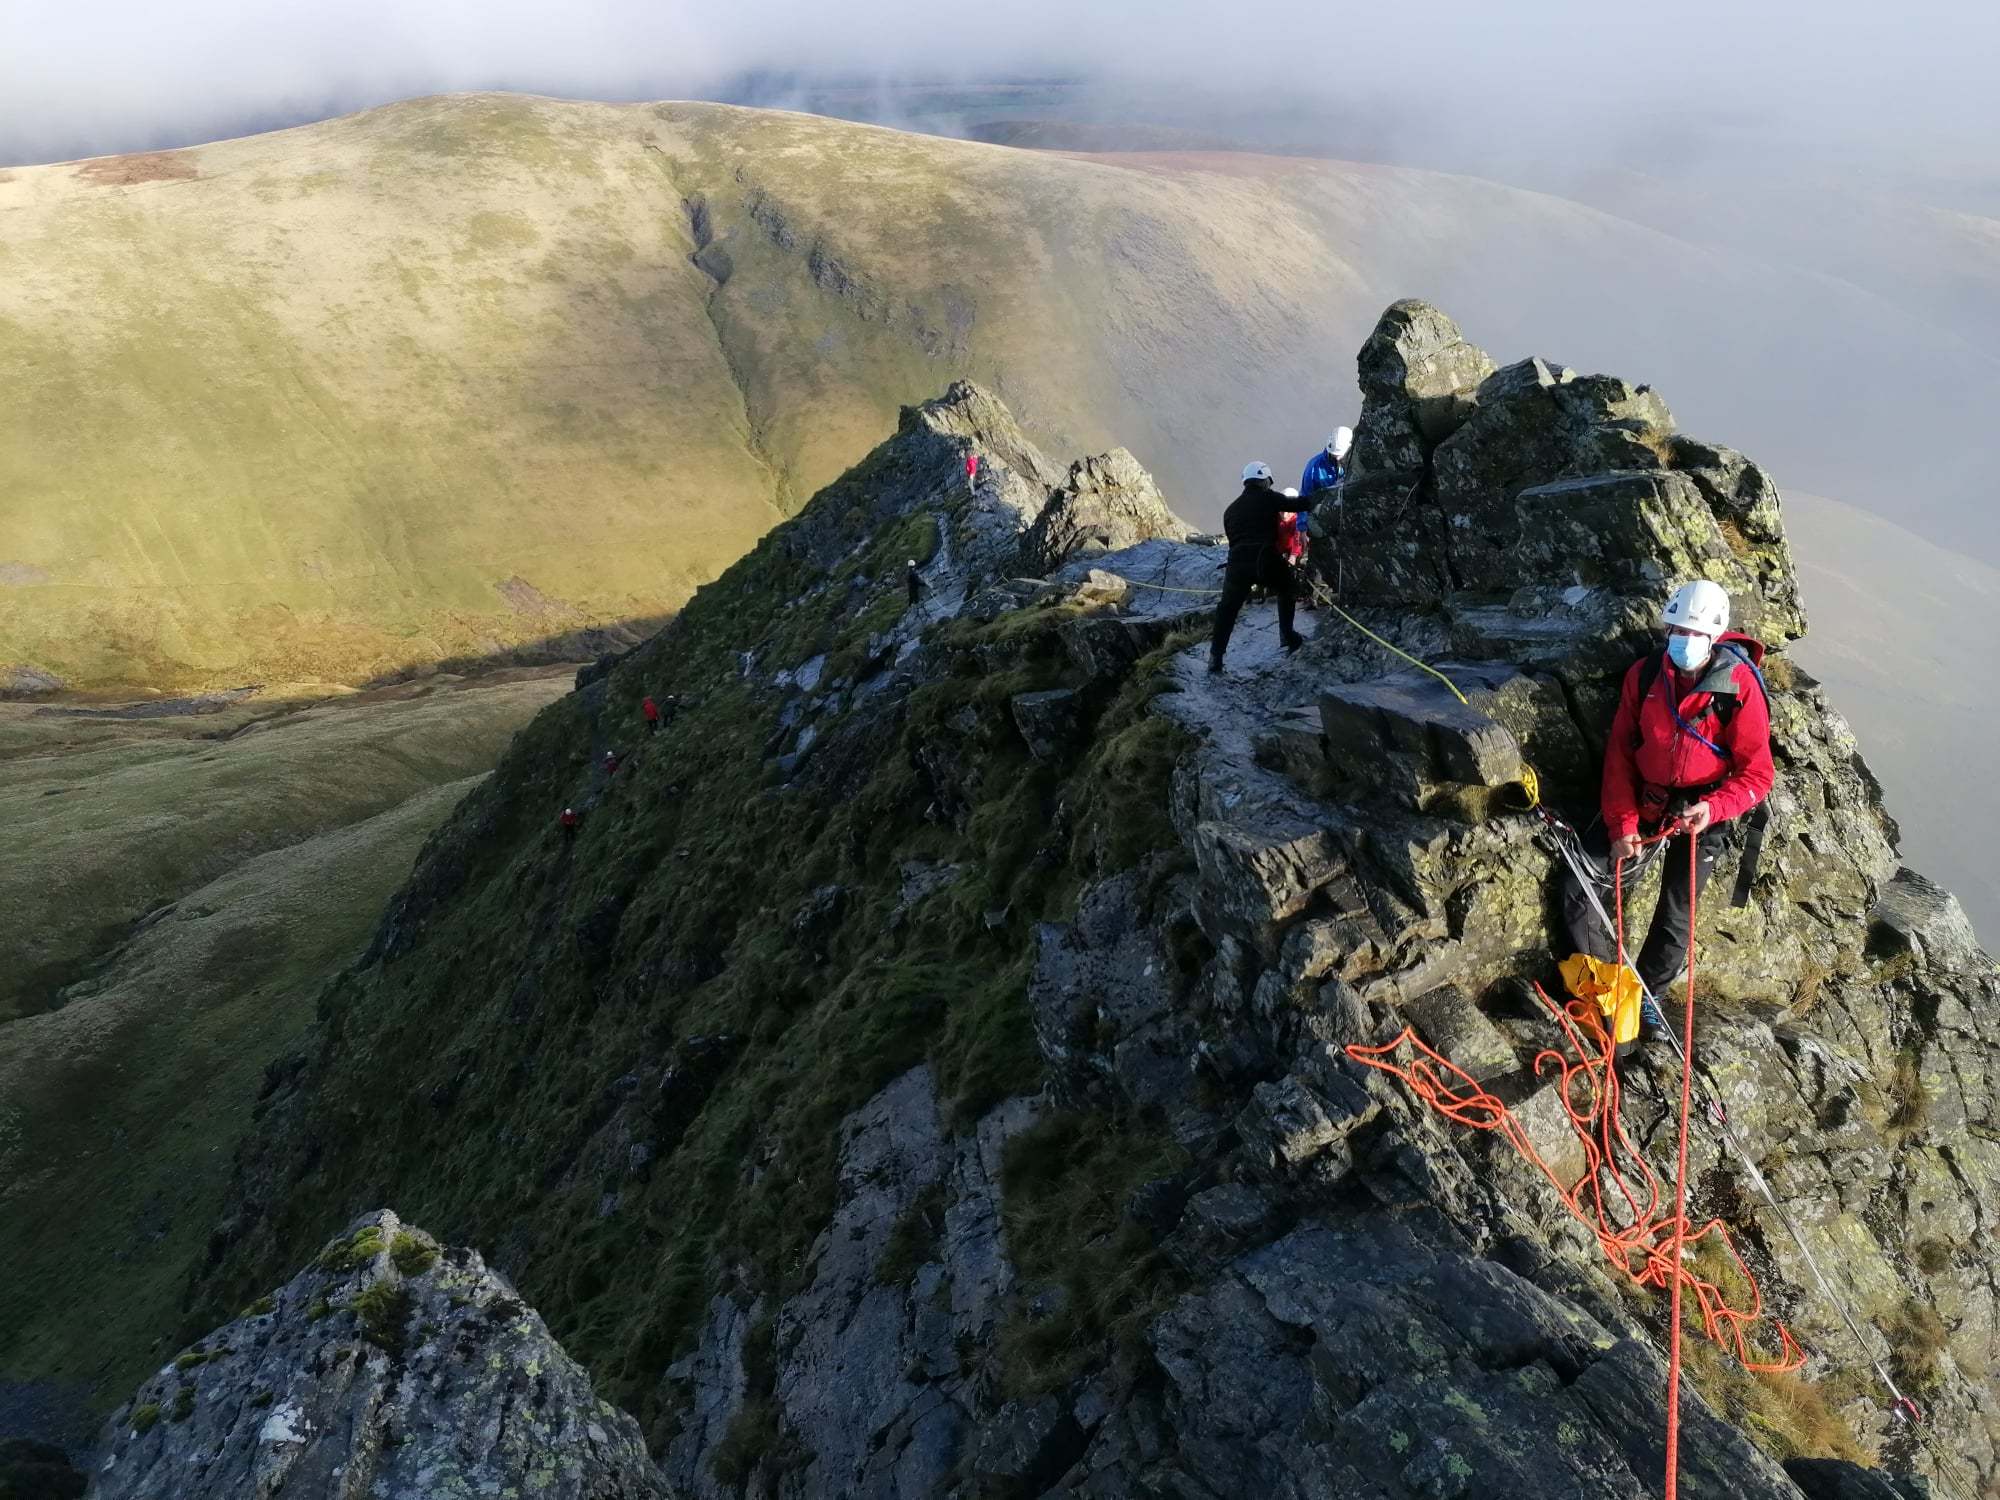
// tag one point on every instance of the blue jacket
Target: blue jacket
(1323, 473)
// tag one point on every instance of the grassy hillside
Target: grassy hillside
(777, 948)
(322, 404)
(463, 374)
(115, 818)
(277, 847)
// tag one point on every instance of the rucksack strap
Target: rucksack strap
(1723, 705)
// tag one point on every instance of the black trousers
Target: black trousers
(1236, 585)
(1664, 953)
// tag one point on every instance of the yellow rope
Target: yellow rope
(1320, 595)
(1141, 584)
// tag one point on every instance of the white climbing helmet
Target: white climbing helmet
(1340, 442)
(1257, 470)
(1701, 606)
(913, 562)
(1290, 493)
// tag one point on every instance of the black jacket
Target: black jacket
(1251, 524)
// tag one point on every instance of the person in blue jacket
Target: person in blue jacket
(1328, 466)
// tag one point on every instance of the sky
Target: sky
(84, 77)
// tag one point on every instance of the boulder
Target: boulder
(1050, 722)
(1104, 504)
(24, 680)
(1408, 733)
(1461, 1034)
(1919, 917)
(389, 1366)
(1417, 375)
(1286, 1124)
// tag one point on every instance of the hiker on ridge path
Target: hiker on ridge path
(1252, 523)
(1689, 749)
(1328, 467)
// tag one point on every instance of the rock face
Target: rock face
(391, 1367)
(875, 1370)
(1105, 505)
(1186, 896)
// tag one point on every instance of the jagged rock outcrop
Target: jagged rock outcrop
(1188, 1246)
(391, 1367)
(1105, 504)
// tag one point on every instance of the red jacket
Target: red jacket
(1652, 750)
(650, 709)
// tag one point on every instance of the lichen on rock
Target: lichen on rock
(427, 1375)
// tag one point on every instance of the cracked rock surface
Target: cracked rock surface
(392, 1369)
(1351, 1296)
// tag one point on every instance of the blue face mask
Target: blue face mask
(1688, 651)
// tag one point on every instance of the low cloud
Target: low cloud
(122, 75)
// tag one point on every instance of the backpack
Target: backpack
(1723, 705)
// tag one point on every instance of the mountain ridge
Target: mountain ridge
(794, 1090)
(457, 379)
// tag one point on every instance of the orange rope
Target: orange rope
(1617, 1195)
(1680, 1190)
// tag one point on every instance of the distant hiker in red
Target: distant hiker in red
(611, 763)
(1691, 741)
(569, 820)
(972, 471)
(652, 712)
(1292, 533)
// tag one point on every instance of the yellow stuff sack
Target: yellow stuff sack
(1614, 988)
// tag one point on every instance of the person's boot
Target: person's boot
(1652, 1021)
(1293, 641)
(1214, 665)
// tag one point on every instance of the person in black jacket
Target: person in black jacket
(1251, 524)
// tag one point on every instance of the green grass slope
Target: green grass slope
(527, 995)
(119, 1111)
(425, 383)
(113, 819)
(459, 375)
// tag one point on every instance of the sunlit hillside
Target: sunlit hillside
(468, 374)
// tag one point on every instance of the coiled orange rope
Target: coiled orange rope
(1617, 1195)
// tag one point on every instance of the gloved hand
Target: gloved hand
(1625, 848)
(1697, 818)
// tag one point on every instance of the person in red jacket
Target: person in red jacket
(651, 710)
(1690, 746)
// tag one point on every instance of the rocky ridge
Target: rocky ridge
(389, 1367)
(1289, 1276)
